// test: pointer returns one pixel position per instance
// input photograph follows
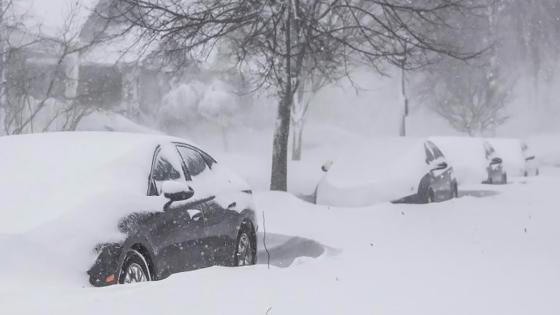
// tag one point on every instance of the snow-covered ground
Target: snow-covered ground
(493, 251)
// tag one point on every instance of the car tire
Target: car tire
(455, 191)
(134, 268)
(430, 196)
(245, 247)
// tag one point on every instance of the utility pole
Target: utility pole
(404, 115)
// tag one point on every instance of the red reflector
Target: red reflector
(110, 278)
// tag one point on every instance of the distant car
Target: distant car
(125, 207)
(517, 161)
(398, 170)
(474, 160)
(495, 168)
(531, 163)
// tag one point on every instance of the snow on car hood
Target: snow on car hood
(466, 156)
(380, 170)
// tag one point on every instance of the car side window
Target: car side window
(437, 153)
(194, 160)
(489, 150)
(429, 154)
(166, 166)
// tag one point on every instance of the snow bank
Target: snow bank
(484, 256)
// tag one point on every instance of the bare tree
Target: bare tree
(272, 39)
(308, 87)
(471, 98)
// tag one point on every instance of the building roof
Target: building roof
(53, 17)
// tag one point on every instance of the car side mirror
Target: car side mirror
(532, 157)
(496, 161)
(176, 191)
(440, 166)
(327, 166)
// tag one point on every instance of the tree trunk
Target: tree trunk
(297, 133)
(3, 88)
(298, 121)
(279, 176)
(279, 172)
(402, 129)
(225, 141)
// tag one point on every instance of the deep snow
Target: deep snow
(492, 252)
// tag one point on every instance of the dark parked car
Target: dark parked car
(398, 170)
(128, 207)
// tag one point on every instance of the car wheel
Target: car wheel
(455, 191)
(245, 251)
(134, 268)
(431, 197)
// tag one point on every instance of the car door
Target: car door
(221, 208)
(177, 231)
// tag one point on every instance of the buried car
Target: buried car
(495, 169)
(517, 158)
(125, 207)
(398, 170)
(474, 160)
(531, 164)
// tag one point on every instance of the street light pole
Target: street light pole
(404, 115)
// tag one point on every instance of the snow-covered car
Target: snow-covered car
(124, 207)
(474, 160)
(510, 150)
(495, 168)
(398, 170)
(467, 157)
(531, 163)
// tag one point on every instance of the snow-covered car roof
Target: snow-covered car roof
(66, 192)
(467, 156)
(382, 169)
(45, 174)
